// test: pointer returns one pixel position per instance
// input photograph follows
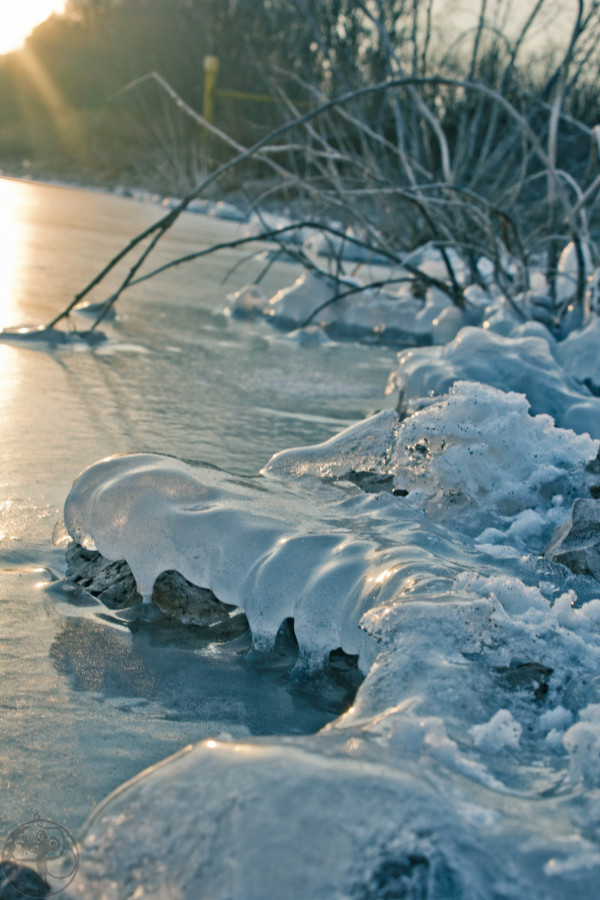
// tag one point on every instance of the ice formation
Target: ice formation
(474, 456)
(468, 766)
(480, 680)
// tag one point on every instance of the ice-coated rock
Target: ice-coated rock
(266, 550)
(176, 597)
(525, 365)
(111, 582)
(18, 881)
(576, 544)
(43, 338)
(255, 819)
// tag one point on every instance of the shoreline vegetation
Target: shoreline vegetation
(381, 134)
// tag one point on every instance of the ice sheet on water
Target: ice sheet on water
(41, 338)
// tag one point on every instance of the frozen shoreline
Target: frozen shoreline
(469, 759)
(477, 724)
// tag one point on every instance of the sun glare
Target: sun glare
(19, 17)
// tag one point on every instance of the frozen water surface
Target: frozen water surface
(467, 765)
(86, 703)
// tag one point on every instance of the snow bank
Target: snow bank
(347, 308)
(357, 311)
(579, 354)
(525, 365)
(475, 457)
(477, 450)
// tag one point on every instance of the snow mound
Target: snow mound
(346, 248)
(478, 448)
(474, 456)
(348, 308)
(247, 303)
(228, 211)
(294, 234)
(525, 365)
(501, 731)
(579, 354)
(568, 274)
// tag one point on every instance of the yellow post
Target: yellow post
(211, 67)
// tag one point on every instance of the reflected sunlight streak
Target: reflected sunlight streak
(13, 248)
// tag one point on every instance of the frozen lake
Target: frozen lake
(467, 765)
(86, 705)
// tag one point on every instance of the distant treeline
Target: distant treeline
(63, 110)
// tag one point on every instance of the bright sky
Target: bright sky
(19, 17)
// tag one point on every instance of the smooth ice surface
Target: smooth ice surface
(89, 701)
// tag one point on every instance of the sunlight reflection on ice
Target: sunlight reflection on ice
(13, 245)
